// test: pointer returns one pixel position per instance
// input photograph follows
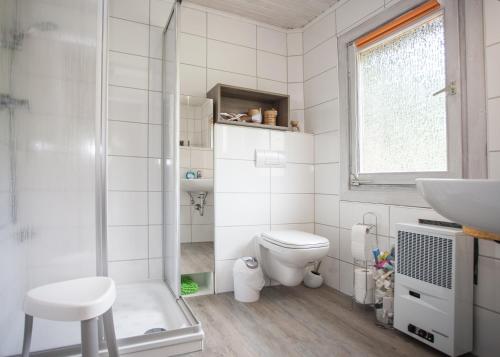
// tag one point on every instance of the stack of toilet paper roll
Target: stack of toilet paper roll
(364, 286)
(363, 278)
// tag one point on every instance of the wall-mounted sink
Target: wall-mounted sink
(197, 185)
(198, 190)
(474, 203)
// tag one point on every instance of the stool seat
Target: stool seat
(71, 300)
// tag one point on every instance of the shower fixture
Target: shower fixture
(10, 39)
(202, 198)
(8, 102)
(13, 40)
(24, 234)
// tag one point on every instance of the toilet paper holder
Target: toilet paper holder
(370, 227)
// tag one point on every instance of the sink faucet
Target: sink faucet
(198, 174)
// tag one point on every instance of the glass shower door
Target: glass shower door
(49, 122)
(12, 254)
(170, 138)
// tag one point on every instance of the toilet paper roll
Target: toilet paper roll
(388, 304)
(364, 296)
(359, 242)
(363, 279)
(358, 251)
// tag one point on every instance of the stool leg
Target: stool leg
(28, 328)
(90, 342)
(109, 331)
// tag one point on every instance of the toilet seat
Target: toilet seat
(295, 239)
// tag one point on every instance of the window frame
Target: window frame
(395, 187)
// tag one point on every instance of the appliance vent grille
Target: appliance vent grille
(426, 258)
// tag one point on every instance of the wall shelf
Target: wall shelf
(232, 99)
(205, 283)
(253, 125)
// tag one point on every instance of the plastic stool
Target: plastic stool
(81, 300)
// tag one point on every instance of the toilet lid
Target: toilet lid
(295, 239)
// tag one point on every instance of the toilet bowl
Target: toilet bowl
(284, 255)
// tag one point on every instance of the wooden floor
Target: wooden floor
(197, 257)
(296, 322)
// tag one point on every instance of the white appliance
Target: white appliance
(433, 293)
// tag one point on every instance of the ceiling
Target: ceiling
(288, 14)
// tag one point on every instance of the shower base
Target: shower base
(149, 322)
(144, 306)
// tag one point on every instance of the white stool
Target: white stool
(74, 300)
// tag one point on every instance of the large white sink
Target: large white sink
(474, 203)
(197, 185)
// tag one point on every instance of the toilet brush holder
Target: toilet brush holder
(313, 279)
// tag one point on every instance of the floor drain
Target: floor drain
(155, 330)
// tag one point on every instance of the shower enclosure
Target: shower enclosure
(53, 178)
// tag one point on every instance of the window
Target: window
(398, 102)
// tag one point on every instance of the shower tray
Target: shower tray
(149, 322)
(149, 319)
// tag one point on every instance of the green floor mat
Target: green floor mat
(188, 286)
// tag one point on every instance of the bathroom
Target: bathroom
(146, 146)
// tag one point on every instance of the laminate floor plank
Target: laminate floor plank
(197, 257)
(297, 322)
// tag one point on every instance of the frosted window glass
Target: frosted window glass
(402, 127)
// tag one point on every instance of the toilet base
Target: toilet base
(282, 273)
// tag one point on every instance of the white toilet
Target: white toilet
(284, 255)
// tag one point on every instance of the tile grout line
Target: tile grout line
(256, 59)
(320, 73)
(304, 98)
(132, 54)
(206, 55)
(287, 74)
(230, 72)
(493, 44)
(487, 309)
(148, 138)
(133, 122)
(271, 184)
(135, 88)
(317, 105)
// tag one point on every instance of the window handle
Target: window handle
(450, 89)
(355, 181)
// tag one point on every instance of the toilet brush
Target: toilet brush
(313, 278)
(316, 268)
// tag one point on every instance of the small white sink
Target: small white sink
(197, 185)
(474, 203)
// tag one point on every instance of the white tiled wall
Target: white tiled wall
(250, 200)
(250, 55)
(334, 217)
(492, 54)
(260, 56)
(354, 11)
(295, 64)
(134, 135)
(195, 127)
(487, 294)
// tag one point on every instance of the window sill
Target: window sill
(387, 194)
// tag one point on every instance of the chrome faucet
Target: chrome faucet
(198, 174)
